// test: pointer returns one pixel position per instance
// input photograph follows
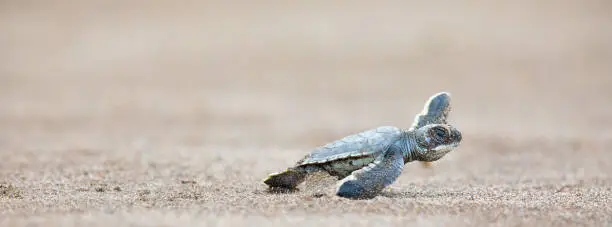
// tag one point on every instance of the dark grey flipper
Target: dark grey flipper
(288, 179)
(435, 111)
(370, 180)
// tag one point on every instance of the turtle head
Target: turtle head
(436, 140)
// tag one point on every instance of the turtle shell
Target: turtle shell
(364, 144)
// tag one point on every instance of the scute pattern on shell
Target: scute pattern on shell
(361, 144)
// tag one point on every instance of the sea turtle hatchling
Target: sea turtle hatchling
(371, 160)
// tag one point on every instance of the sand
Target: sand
(164, 113)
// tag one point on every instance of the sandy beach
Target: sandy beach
(163, 113)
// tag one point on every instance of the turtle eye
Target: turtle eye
(440, 132)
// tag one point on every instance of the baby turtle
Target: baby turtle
(369, 161)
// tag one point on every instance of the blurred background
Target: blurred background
(271, 72)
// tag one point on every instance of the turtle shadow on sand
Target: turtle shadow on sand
(308, 192)
(315, 194)
(322, 193)
(280, 190)
(398, 194)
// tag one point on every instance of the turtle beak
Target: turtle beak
(457, 135)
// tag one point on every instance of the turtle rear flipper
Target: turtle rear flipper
(288, 179)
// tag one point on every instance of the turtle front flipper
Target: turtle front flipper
(288, 179)
(370, 180)
(435, 111)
